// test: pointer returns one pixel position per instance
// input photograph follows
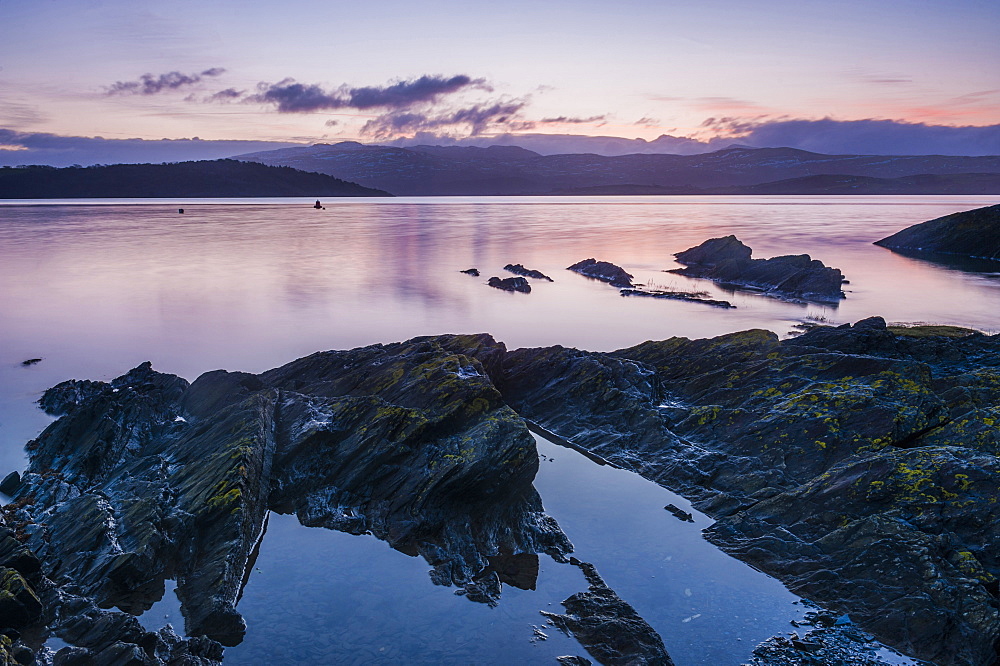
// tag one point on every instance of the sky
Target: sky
(895, 76)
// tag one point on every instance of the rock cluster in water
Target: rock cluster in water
(727, 261)
(510, 284)
(148, 478)
(603, 271)
(972, 233)
(518, 269)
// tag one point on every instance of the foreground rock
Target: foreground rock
(972, 233)
(727, 261)
(603, 271)
(856, 465)
(609, 628)
(510, 284)
(147, 478)
(518, 269)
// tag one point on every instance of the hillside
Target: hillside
(218, 178)
(498, 170)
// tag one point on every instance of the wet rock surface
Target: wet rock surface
(510, 284)
(471, 271)
(148, 478)
(603, 271)
(857, 464)
(972, 233)
(727, 261)
(852, 463)
(518, 269)
(609, 628)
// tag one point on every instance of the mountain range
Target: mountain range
(511, 170)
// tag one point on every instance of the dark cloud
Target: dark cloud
(474, 120)
(874, 137)
(289, 96)
(332, 123)
(148, 84)
(55, 150)
(573, 120)
(227, 95)
(647, 122)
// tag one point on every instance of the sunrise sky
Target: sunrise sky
(308, 70)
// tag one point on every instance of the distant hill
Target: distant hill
(958, 183)
(454, 170)
(217, 178)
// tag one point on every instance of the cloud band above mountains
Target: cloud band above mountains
(871, 137)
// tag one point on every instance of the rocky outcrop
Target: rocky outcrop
(510, 284)
(603, 271)
(727, 261)
(972, 233)
(518, 269)
(147, 478)
(609, 628)
(471, 271)
(670, 295)
(852, 463)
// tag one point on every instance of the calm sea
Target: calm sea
(96, 287)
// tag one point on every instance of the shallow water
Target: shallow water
(96, 288)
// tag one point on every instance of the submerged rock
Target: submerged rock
(727, 261)
(603, 271)
(471, 271)
(510, 284)
(972, 233)
(608, 627)
(689, 296)
(518, 269)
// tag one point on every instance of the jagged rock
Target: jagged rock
(826, 645)
(609, 628)
(15, 555)
(573, 660)
(10, 483)
(603, 271)
(727, 261)
(147, 478)
(518, 269)
(471, 271)
(510, 284)
(972, 233)
(19, 604)
(714, 251)
(689, 296)
(781, 441)
(31, 361)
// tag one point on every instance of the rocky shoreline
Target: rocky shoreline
(857, 464)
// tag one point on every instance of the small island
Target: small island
(972, 233)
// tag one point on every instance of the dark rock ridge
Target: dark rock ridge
(858, 466)
(608, 627)
(518, 269)
(471, 271)
(972, 233)
(727, 261)
(147, 478)
(669, 295)
(510, 284)
(603, 271)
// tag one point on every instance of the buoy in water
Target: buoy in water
(180, 210)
